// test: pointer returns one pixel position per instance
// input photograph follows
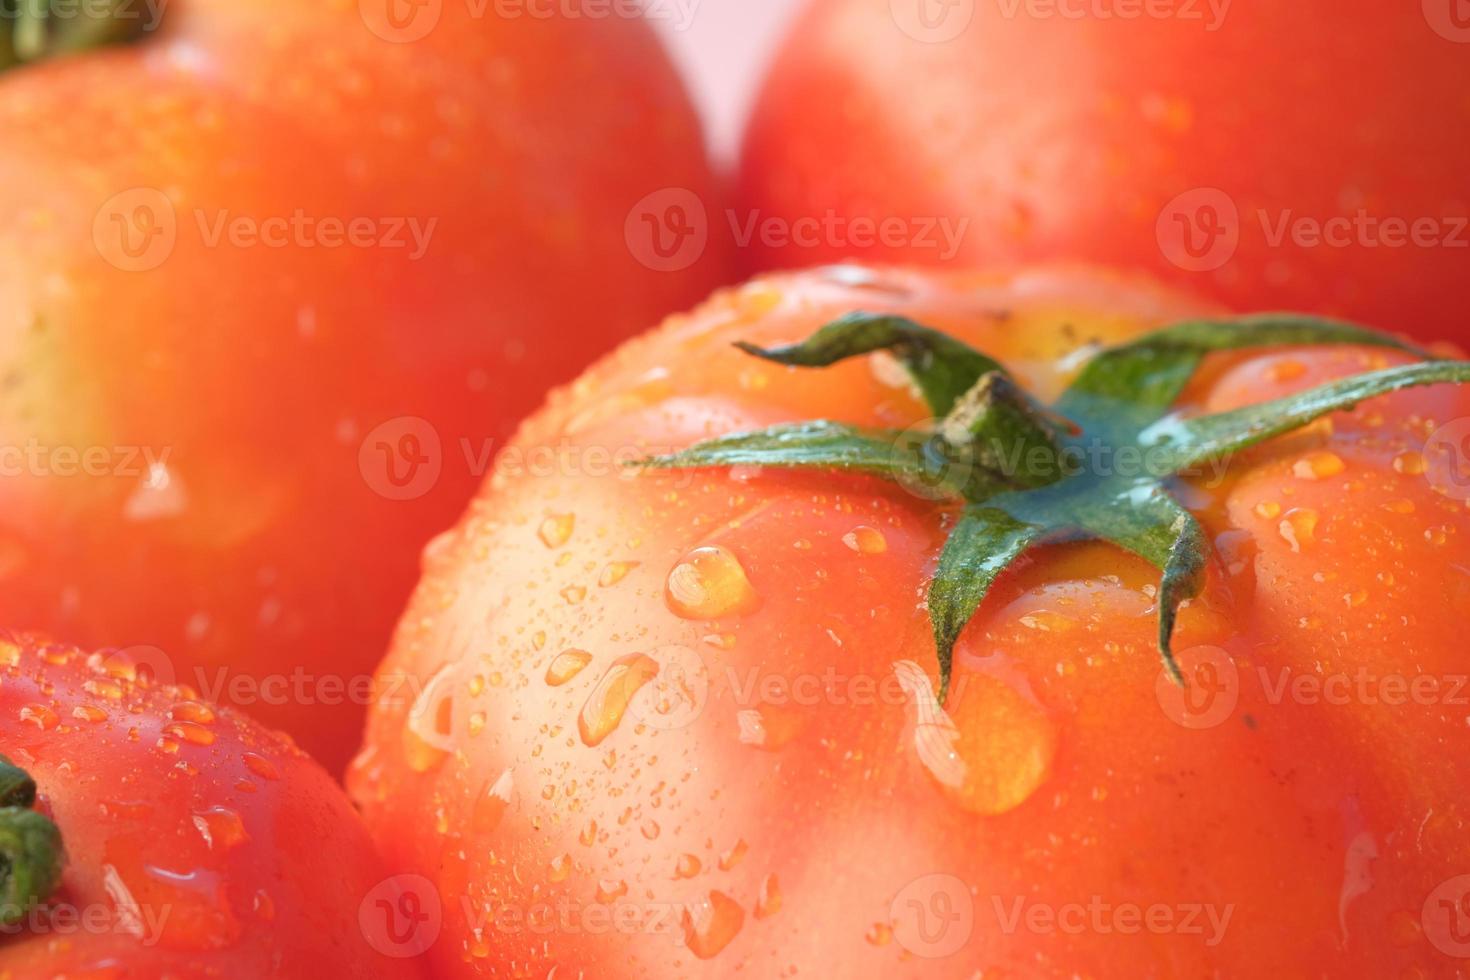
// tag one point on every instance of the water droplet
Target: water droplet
(991, 751)
(1299, 527)
(1410, 463)
(879, 934)
(220, 827)
(768, 727)
(734, 855)
(556, 530)
(1268, 510)
(610, 890)
(188, 731)
(1047, 621)
(39, 715)
(1401, 506)
(89, 713)
(566, 665)
(866, 540)
(193, 711)
(261, 766)
(561, 868)
(1318, 466)
(588, 836)
(710, 924)
(650, 829)
(573, 594)
(768, 901)
(610, 698)
(710, 582)
(687, 866)
(614, 572)
(109, 689)
(493, 802)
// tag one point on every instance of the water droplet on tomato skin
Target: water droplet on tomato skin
(615, 572)
(221, 828)
(708, 583)
(711, 924)
(609, 700)
(768, 901)
(687, 866)
(1318, 466)
(40, 715)
(1299, 528)
(866, 540)
(609, 890)
(556, 529)
(566, 665)
(561, 868)
(729, 859)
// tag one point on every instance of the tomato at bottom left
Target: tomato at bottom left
(147, 834)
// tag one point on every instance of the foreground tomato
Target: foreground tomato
(1214, 143)
(277, 280)
(195, 843)
(683, 723)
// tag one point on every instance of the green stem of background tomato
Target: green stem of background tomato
(32, 30)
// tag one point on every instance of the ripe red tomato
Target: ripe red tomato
(1303, 155)
(278, 281)
(196, 843)
(682, 723)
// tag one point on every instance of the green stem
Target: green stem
(31, 857)
(17, 788)
(33, 30)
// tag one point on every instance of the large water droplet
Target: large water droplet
(709, 583)
(566, 665)
(610, 698)
(711, 923)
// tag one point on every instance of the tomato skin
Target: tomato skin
(273, 546)
(198, 843)
(805, 805)
(1092, 137)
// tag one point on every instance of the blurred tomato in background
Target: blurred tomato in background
(278, 278)
(1305, 155)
